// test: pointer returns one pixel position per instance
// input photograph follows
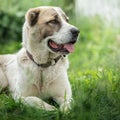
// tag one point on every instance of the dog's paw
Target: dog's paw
(37, 103)
(49, 107)
(65, 107)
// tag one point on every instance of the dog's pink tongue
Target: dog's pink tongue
(69, 47)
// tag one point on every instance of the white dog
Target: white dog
(39, 70)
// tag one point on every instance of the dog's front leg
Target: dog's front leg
(65, 103)
(63, 96)
(37, 103)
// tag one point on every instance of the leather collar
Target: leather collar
(44, 65)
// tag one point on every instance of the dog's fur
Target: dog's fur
(23, 74)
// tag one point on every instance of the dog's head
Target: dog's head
(49, 27)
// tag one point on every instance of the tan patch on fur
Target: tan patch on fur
(42, 19)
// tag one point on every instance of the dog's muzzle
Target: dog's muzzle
(66, 47)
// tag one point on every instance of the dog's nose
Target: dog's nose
(75, 32)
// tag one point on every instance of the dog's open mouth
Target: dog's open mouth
(63, 48)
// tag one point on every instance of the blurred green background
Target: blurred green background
(94, 66)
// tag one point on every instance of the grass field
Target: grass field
(94, 75)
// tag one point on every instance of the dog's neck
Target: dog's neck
(39, 57)
(44, 65)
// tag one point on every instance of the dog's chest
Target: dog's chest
(47, 76)
(40, 80)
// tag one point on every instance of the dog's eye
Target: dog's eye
(53, 22)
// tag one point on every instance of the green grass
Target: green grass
(96, 97)
(93, 73)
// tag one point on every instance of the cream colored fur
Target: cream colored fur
(33, 84)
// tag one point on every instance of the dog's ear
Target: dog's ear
(32, 16)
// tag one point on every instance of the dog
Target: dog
(39, 70)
